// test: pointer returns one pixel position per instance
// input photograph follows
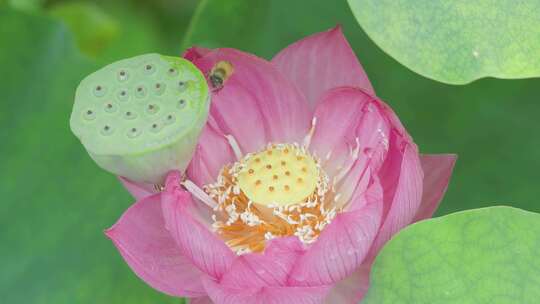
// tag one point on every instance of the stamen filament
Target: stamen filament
(199, 193)
(309, 135)
(235, 147)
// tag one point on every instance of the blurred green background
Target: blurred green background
(56, 202)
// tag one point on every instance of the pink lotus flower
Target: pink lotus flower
(299, 178)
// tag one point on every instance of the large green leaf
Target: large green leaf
(479, 256)
(456, 41)
(55, 201)
(491, 123)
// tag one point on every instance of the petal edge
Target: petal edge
(320, 62)
(437, 172)
(150, 251)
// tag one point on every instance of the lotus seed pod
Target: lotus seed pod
(141, 117)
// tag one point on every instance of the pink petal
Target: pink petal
(151, 252)
(321, 62)
(373, 136)
(344, 115)
(195, 53)
(351, 289)
(437, 171)
(211, 154)
(271, 268)
(337, 115)
(402, 178)
(201, 300)
(201, 246)
(257, 104)
(342, 245)
(394, 121)
(236, 113)
(223, 294)
(350, 122)
(137, 190)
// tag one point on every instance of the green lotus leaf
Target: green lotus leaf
(485, 255)
(456, 41)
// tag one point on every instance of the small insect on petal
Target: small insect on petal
(219, 74)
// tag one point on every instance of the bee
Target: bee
(219, 74)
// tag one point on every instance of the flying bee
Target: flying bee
(219, 74)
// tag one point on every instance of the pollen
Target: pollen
(277, 192)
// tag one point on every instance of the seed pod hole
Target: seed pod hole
(182, 86)
(140, 91)
(110, 107)
(107, 130)
(122, 95)
(170, 119)
(152, 109)
(149, 68)
(122, 75)
(181, 103)
(155, 127)
(130, 115)
(89, 114)
(159, 88)
(172, 71)
(133, 132)
(99, 90)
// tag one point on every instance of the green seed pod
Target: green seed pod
(141, 117)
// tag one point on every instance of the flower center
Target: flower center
(281, 175)
(280, 191)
